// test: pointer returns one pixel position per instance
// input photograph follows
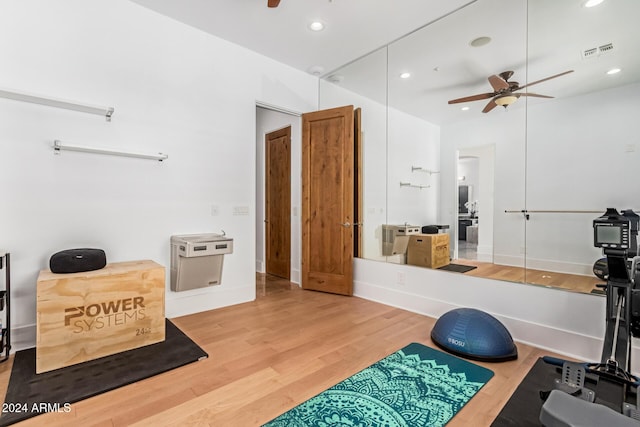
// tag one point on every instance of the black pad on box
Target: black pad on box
(77, 260)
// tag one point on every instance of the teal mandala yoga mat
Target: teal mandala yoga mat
(413, 387)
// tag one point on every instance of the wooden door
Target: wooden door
(327, 200)
(278, 203)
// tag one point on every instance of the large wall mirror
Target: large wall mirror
(515, 181)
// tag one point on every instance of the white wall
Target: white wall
(586, 160)
(413, 142)
(268, 121)
(175, 90)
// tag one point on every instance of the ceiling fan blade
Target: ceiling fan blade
(545, 79)
(534, 95)
(490, 106)
(273, 3)
(472, 98)
(498, 83)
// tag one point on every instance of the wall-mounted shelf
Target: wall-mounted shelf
(57, 147)
(421, 169)
(408, 184)
(107, 112)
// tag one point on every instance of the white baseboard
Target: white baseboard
(196, 301)
(23, 337)
(296, 276)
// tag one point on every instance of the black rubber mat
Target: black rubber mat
(30, 394)
(523, 408)
(458, 268)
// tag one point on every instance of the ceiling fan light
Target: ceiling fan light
(506, 100)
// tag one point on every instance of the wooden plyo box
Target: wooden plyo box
(84, 316)
(428, 250)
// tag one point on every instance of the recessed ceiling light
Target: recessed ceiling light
(405, 75)
(614, 71)
(316, 26)
(465, 108)
(480, 41)
(591, 3)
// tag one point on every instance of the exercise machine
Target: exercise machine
(616, 233)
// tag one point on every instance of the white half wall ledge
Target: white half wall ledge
(568, 343)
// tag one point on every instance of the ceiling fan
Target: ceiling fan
(273, 3)
(504, 91)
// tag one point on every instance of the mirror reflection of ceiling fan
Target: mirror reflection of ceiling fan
(504, 91)
(273, 3)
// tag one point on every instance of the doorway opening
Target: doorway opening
(278, 192)
(475, 196)
(468, 185)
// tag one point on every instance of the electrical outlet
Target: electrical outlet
(215, 210)
(400, 278)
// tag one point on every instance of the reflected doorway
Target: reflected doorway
(468, 181)
(475, 171)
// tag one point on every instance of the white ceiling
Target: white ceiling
(353, 27)
(535, 39)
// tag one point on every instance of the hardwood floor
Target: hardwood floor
(271, 354)
(566, 281)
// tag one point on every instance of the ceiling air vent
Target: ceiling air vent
(590, 52)
(597, 51)
(605, 48)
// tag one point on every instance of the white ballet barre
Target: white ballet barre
(525, 211)
(57, 147)
(107, 112)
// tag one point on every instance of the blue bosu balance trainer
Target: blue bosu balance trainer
(474, 334)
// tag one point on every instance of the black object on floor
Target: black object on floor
(523, 408)
(30, 394)
(458, 268)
